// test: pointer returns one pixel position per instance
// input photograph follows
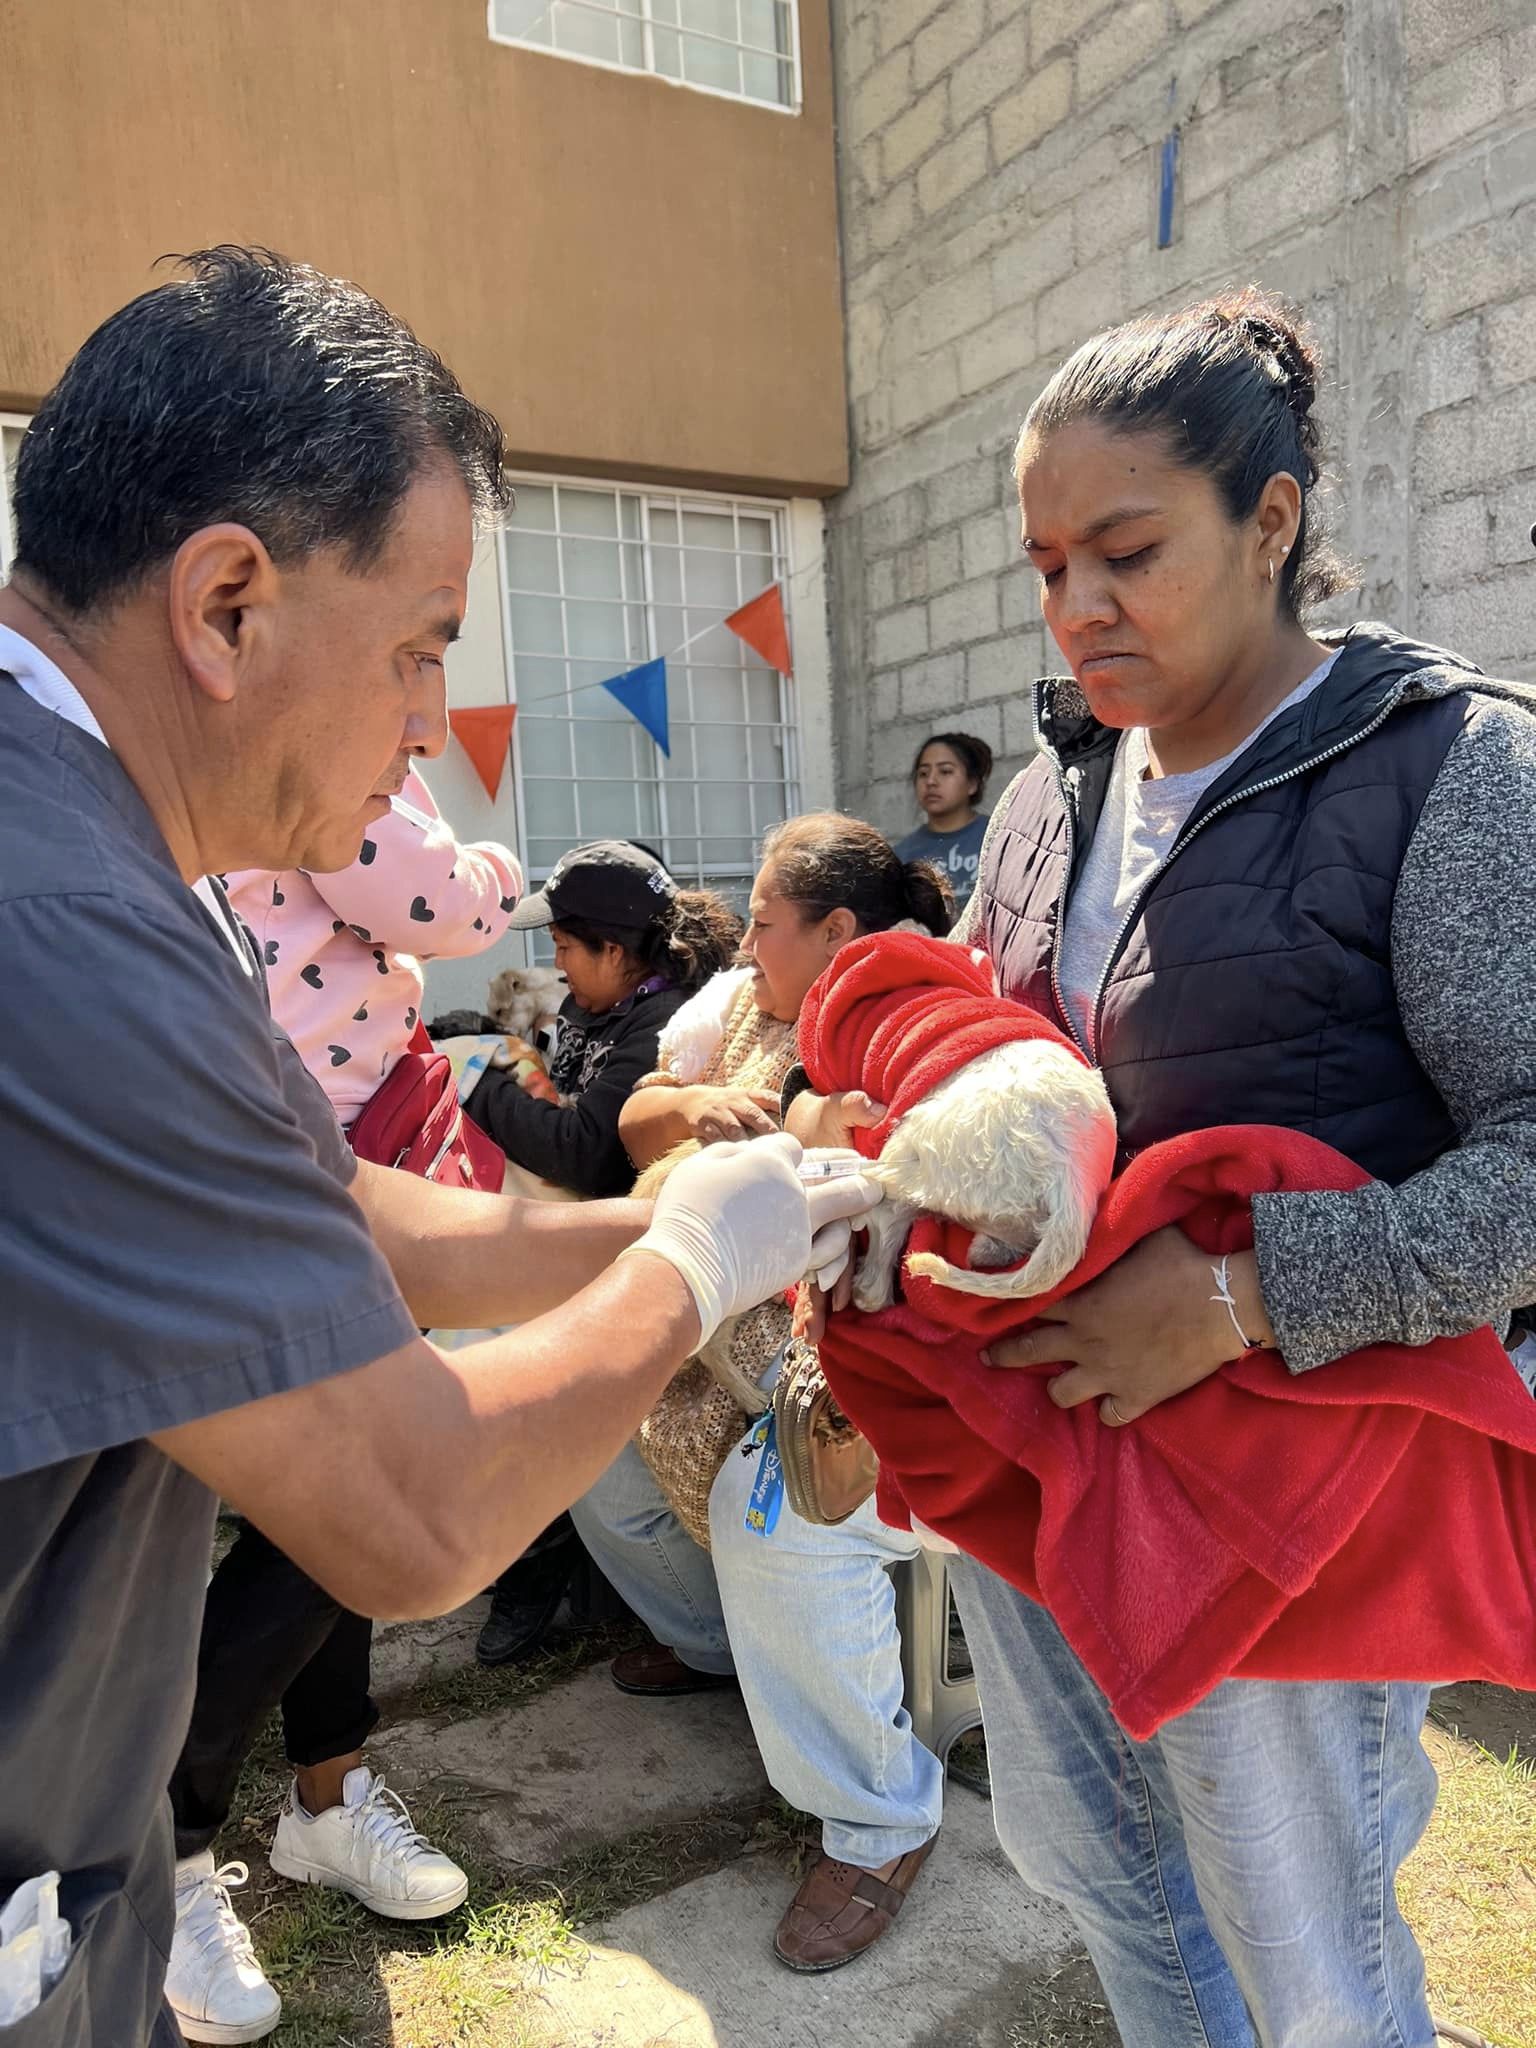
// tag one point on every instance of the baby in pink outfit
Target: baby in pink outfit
(343, 952)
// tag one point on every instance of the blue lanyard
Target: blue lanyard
(767, 1497)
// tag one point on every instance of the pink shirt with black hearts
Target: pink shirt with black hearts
(343, 952)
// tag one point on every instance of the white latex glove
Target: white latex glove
(740, 1227)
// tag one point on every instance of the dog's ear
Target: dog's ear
(500, 995)
(1061, 1243)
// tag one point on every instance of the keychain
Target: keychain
(767, 1496)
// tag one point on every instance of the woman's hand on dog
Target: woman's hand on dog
(1150, 1327)
(717, 1116)
(830, 1121)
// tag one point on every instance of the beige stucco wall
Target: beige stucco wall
(642, 281)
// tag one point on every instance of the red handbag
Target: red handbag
(415, 1121)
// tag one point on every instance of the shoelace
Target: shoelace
(210, 1916)
(384, 1819)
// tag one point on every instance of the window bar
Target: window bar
(788, 726)
(609, 12)
(519, 798)
(742, 651)
(654, 648)
(693, 737)
(796, 79)
(565, 654)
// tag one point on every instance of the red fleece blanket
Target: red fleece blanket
(1372, 1519)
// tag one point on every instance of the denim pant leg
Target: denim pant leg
(812, 1620)
(651, 1561)
(1086, 1817)
(1299, 1804)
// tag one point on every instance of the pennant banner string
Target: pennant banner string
(560, 696)
(714, 626)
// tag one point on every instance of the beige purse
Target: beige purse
(829, 1468)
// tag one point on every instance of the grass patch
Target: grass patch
(789, 1836)
(445, 1998)
(596, 1883)
(536, 1933)
(467, 1691)
(1066, 2009)
(1469, 1891)
(305, 1929)
(319, 2021)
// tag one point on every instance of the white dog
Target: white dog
(1018, 1145)
(525, 1001)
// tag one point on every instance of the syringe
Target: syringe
(820, 1166)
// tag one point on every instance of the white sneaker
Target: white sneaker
(215, 1984)
(368, 1847)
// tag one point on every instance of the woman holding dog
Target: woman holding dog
(1262, 874)
(633, 947)
(801, 1616)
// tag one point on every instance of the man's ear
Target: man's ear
(220, 598)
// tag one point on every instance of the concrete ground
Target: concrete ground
(576, 1774)
(628, 1865)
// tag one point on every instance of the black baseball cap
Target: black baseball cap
(609, 882)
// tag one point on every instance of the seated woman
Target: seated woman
(805, 1616)
(632, 947)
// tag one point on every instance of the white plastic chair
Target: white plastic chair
(942, 1707)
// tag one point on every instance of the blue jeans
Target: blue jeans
(1233, 1878)
(807, 1618)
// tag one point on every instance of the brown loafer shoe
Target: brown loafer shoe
(659, 1673)
(840, 1911)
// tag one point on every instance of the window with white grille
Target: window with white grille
(744, 49)
(598, 580)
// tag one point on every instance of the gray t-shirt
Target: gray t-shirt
(176, 1238)
(955, 854)
(1142, 818)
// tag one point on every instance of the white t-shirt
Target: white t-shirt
(1142, 818)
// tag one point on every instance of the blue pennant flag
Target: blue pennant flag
(643, 693)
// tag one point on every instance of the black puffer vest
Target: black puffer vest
(1252, 982)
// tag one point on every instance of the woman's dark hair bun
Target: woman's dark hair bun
(823, 861)
(1280, 340)
(1230, 387)
(930, 899)
(693, 937)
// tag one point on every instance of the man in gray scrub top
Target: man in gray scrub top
(245, 520)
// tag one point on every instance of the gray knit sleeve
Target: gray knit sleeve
(1455, 1246)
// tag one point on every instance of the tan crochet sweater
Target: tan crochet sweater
(755, 1051)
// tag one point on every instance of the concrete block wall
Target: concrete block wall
(999, 166)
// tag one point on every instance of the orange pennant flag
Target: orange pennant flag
(485, 734)
(760, 622)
